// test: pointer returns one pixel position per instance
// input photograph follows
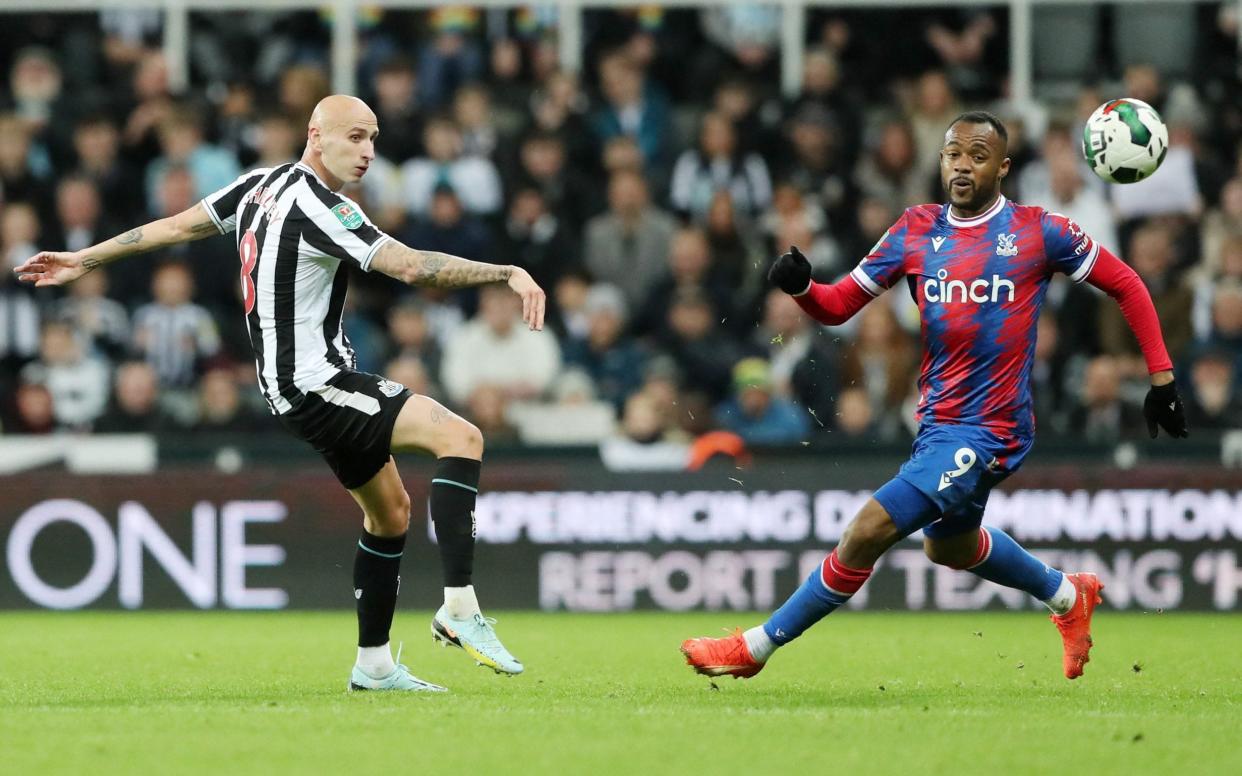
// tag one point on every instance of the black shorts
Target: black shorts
(349, 421)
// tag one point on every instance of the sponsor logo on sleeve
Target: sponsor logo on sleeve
(349, 218)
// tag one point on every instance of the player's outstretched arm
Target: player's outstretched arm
(442, 270)
(57, 268)
(829, 303)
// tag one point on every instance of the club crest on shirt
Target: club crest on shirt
(1005, 246)
(390, 388)
(349, 218)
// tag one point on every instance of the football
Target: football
(1125, 140)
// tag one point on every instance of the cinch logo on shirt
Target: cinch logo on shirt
(941, 289)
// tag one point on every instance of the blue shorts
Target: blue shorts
(955, 468)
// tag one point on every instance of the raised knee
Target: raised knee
(466, 441)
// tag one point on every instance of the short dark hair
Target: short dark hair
(984, 117)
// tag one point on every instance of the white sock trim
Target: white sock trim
(461, 602)
(761, 646)
(1063, 600)
(376, 662)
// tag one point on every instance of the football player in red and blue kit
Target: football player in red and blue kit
(978, 267)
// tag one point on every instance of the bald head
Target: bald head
(340, 139)
(336, 110)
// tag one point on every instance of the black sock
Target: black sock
(377, 566)
(453, 489)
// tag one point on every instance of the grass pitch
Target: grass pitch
(234, 693)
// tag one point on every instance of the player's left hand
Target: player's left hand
(533, 298)
(1164, 408)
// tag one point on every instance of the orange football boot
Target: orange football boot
(1075, 625)
(721, 657)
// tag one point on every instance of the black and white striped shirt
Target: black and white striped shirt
(294, 237)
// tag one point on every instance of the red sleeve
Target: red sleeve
(833, 303)
(1112, 276)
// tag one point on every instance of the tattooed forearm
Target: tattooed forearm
(204, 227)
(90, 264)
(132, 237)
(438, 270)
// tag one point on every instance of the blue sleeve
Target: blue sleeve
(886, 262)
(1067, 247)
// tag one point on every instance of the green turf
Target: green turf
(229, 693)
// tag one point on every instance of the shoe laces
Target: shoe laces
(400, 646)
(485, 625)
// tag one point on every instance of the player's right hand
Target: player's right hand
(51, 268)
(533, 298)
(791, 273)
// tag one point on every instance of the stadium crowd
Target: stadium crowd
(647, 196)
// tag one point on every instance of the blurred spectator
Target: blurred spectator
(181, 144)
(718, 165)
(447, 228)
(690, 268)
(409, 370)
(79, 215)
(753, 411)
(19, 180)
(699, 344)
(96, 142)
(798, 220)
(220, 407)
(1062, 184)
(733, 241)
(1048, 375)
(174, 334)
(135, 407)
(1102, 416)
(748, 33)
(472, 110)
(1224, 272)
(647, 441)
(854, 415)
(1213, 402)
(487, 407)
(544, 165)
(35, 85)
(817, 164)
(962, 51)
(33, 412)
(622, 153)
(613, 362)
(19, 234)
(568, 304)
(825, 101)
(100, 321)
(19, 325)
(628, 244)
(150, 104)
(398, 111)
(409, 331)
(802, 355)
(300, 90)
(535, 239)
(1174, 192)
(77, 382)
(935, 106)
(1152, 256)
(558, 106)
(473, 178)
(496, 349)
(452, 57)
(278, 140)
(632, 106)
(1226, 333)
(883, 362)
(1220, 224)
(889, 170)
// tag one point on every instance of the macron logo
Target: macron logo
(980, 290)
(936, 243)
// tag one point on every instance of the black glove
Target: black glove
(1164, 407)
(791, 273)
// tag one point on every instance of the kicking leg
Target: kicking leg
(425, 425)
(871, 533)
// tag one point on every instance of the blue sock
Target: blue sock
(1006, 563)
(828, 586)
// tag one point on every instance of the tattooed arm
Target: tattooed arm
(58, 268)
(441, 270)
